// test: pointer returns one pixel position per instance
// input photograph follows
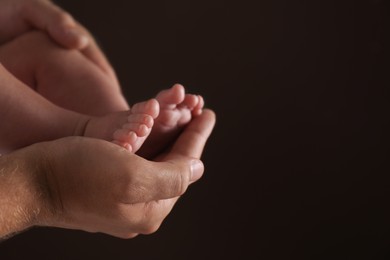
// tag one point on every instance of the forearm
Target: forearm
(20, 193)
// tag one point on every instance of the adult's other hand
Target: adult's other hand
(20, 16)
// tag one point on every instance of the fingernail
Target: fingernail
(197, 169)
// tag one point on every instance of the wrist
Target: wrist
(23, 194)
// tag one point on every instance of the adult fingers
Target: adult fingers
(192, 141)
(181, 166)
(173, 183)
(141, 218)
(168, 179)
(155, 215)
(61, 26)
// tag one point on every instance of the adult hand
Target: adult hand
(20, 16)
(97, 186)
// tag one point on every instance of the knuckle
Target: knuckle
(150, 220)
(150, 228)
(123, 234)
(128, 235)
(179, 184)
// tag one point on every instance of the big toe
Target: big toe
(169, 98)
(150, 107)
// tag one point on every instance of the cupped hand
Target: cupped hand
(97, 186)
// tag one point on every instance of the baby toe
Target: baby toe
(140, 129)
(190, 101)
(141, 119)
(199, 107)
(125, 135)
(150, 107)
(170, 98)
(127, 146)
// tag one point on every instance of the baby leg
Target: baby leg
(65, 77)
(28, 118)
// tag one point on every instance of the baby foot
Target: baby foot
(128, 129)
(176, 110)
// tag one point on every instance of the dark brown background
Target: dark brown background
(298, 165)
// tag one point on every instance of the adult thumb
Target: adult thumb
(170, 179)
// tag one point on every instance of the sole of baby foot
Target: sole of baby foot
(176, 110)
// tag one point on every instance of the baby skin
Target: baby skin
(176, 110)
(60, 93)
(163, 118)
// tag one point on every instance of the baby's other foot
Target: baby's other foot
(128, 129)
(176, 110)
